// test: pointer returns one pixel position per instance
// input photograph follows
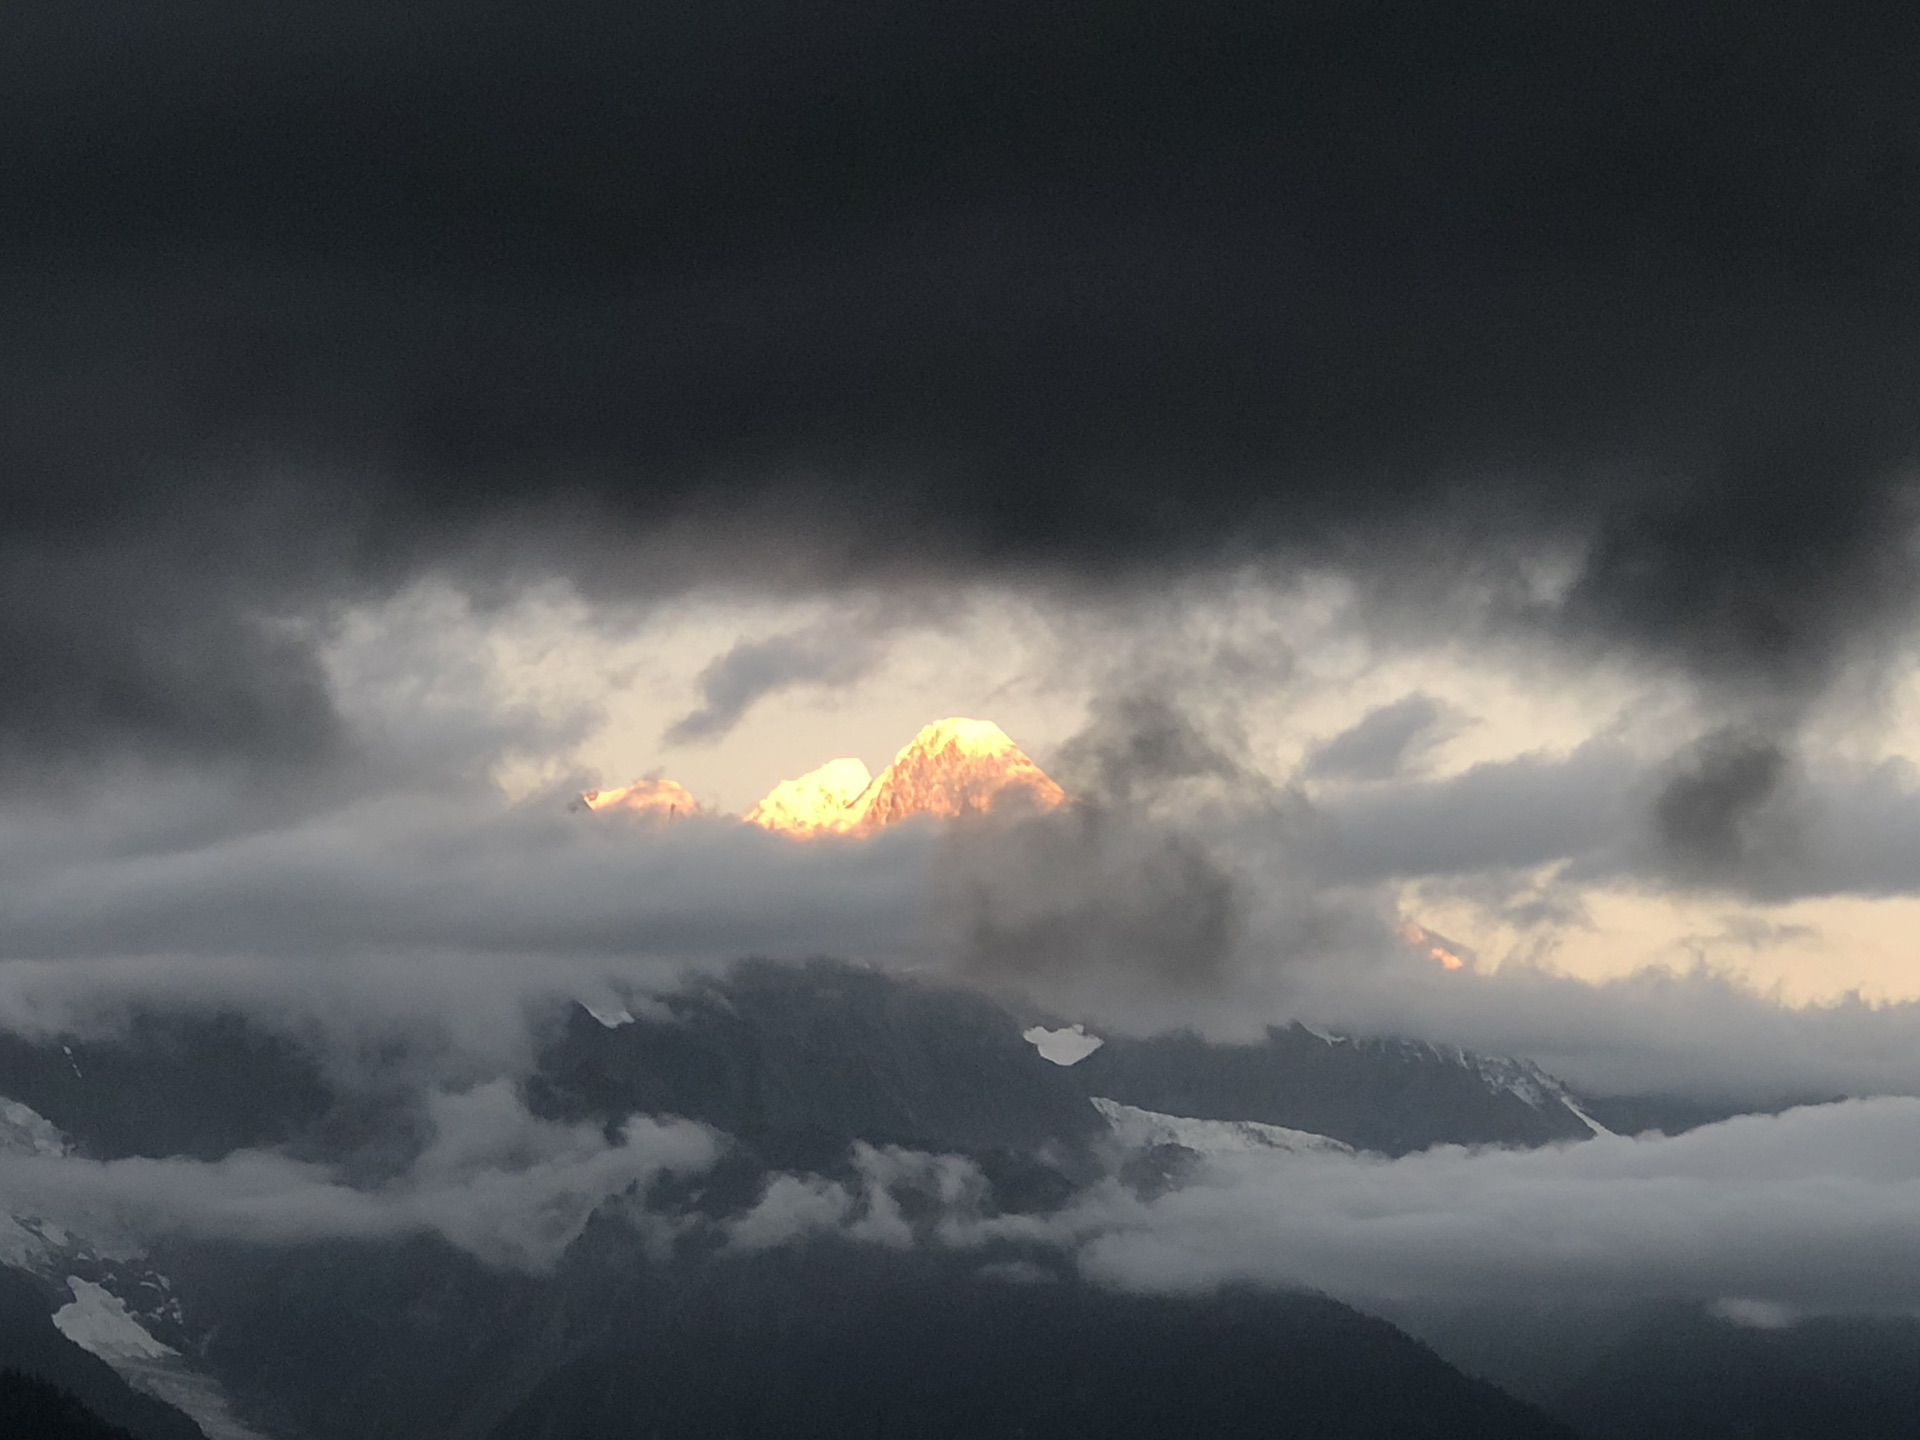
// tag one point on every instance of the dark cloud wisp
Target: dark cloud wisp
(833, 653)
(1727, 812)
(1381, 742)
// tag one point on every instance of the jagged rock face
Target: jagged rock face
(951, 768)
(775, 1054)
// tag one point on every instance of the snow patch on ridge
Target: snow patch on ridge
(1509, 1074)
(1063, 1047)
(97, 1321)
(1139, 1129)
(1528, 1083)
(25, 1131)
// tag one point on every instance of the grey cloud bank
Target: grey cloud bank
(1797, 1213)
(1810, 1210)
(1729, 815)
(419, 873)
(1803, 1212)
(455, 921)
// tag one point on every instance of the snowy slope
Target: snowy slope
(118, 1299)
(1139, 1129)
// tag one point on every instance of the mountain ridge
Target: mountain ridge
(951, 767)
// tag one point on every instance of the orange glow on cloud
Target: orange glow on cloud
(1422, 938)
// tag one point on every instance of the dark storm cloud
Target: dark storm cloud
(1138, 743)
(131, 647)
(1724, 814)
(663, 293)
(1094, 898)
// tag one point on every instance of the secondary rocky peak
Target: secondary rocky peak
(662, 799)
(819, 802)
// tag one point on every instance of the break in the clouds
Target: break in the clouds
(1590, 326)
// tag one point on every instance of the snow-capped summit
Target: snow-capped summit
(951, 767)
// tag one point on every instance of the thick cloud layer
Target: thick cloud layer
(443, 922)
(1775, 1216)
(1808, 1210)
(510, 1189)
(1600, 323)
(1803, 1212)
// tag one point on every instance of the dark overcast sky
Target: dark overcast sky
(304, 300)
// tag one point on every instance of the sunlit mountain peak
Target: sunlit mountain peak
(951, 767)
(663, 798)
(969, 737)
(818, 802)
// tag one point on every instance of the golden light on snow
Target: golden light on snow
(952, 767)
(664, 798)
(819, 802)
